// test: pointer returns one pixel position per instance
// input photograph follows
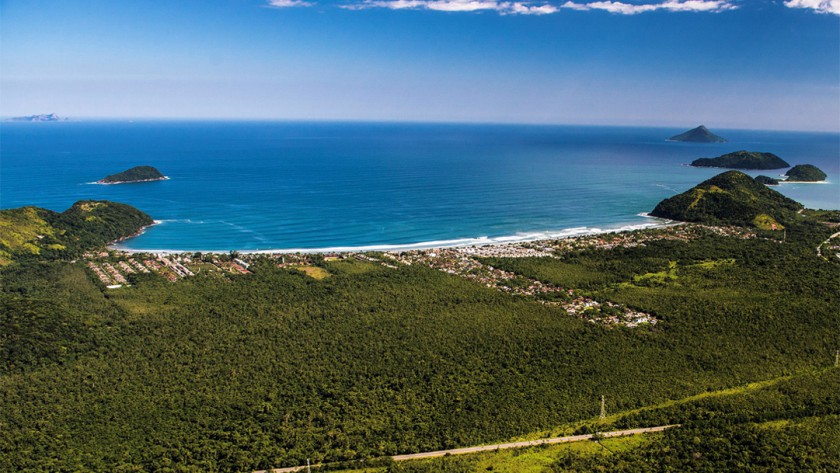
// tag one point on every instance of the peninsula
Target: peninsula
(135, 174)
(701, 134)
(730, 198)
(805, 173)
(743, 160)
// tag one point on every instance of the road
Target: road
(819, 247)
(499, 446)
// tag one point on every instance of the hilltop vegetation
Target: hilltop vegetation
(731, 198)
(35, 233)
(135, 174)
(805, 173)
(743, 160)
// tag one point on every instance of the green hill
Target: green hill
(35, 232)
(805, 173)
(730, 198)
(701, 134)
(135, 174)
(743, 160)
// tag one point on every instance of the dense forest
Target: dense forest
(243, 372)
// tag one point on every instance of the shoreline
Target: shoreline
(785, 181)
(481, 241)
(164, 178)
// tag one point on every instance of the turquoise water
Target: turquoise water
(291, 185)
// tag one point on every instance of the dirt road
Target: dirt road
(499, 446)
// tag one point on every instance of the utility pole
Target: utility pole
(603, 409)
(308, 468)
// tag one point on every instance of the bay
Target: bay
(327, 185)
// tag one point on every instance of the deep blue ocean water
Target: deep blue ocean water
(293, 185)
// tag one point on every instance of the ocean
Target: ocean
(340, 186)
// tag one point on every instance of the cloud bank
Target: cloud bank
(289, 3)
(534, 7)
(544, 7)
(713, 6)
(502, 7)
(821, 6)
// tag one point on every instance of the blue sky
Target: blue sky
(772, 64)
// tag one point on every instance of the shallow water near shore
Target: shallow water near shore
(290, 185)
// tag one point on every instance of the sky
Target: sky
(755, 64)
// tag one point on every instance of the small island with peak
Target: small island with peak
(743, 160)
(135, 174)
(805, 173)
(701, 134)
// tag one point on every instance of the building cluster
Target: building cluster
(113, 268)
(114, 273)
(463, 262)
(608, 241)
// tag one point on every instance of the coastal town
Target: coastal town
(116, 269)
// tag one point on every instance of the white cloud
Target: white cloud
(505, 8)
(289, 3)
(544, 7)
(822, 6)
(622, 8)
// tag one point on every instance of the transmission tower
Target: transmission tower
(603, 409)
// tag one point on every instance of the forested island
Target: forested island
(766, 180)
(701, 134)
(236, 362)
(805, 173)
(135, 174)
(743, 160)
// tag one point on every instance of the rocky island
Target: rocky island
(701, 134)
(135, 174)
(743, 160)
(39, 118)
(766, 180)
(731, 198)
(805, 173)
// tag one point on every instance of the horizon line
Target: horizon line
(70, 118)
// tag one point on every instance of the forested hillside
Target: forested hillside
(36, 234)
(242, 372)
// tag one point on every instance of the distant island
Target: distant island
(766, 180)
(39, 118)
(805, 173)
(743, 160)
(135, 174)
(731, 198)
(701, 134)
